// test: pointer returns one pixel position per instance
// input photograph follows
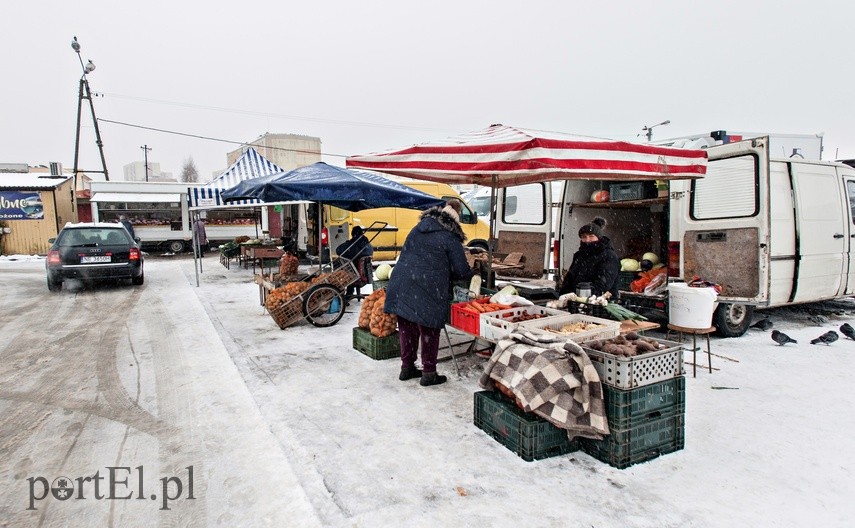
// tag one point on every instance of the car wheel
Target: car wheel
(480, 244)
(136, 281)
(732, 320)
(53, 285)
(176, 246)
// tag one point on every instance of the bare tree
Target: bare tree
(189, 173)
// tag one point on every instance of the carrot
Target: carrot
(469, 308)
(477, 306)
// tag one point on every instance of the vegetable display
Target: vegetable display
(288, 264)
(286, 292)
(627, 345)
(374, 319)
(575, 328)
(381, 324)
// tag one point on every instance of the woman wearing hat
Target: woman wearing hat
(595, 262)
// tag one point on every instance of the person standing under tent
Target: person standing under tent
(419, 289)
(595, 262)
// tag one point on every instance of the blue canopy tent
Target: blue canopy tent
(348, 189)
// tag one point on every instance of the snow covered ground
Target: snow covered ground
(768, 434)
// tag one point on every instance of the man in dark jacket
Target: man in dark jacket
(595, 262)
(357, 246)
(354, 249)
(419, 288)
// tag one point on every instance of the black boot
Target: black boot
(408, 373)
(432, 378)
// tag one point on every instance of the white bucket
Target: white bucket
(690, 307)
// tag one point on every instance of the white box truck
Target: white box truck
(771, 231)
(160, 214)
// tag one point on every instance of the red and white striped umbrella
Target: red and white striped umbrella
(501, 156)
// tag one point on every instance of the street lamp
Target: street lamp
(649, 129)
(85, 93)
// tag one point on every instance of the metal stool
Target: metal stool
(695, 332)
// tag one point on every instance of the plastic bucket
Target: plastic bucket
(690, 307)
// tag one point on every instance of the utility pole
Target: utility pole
(85, 93)
(146, 148)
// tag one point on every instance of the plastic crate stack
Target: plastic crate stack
(526, 434)
(645, 398)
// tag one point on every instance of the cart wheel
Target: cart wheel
(323, 305)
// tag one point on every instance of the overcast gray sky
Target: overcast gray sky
(370, 75)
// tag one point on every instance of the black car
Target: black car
(93, 251)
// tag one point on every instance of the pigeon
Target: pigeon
(781, 338)
(847, 330)
(765, 324)
(827, 338)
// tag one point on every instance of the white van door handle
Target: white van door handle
(838, 235)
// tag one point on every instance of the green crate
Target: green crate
(376, 347)
(626, 407)
(648, 439)
(526, 434)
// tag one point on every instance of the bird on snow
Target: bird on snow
(827, 338)
(764, 324)
(847, 330)
(781, 338)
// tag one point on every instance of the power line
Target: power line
(268, 114)
(208, 138)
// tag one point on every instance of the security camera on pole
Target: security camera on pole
(85, 93)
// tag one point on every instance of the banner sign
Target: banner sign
(15, 205)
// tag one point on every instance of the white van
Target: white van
(771, 232)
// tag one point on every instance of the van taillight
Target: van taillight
(673, 259)
(555, 248)
(325, 237)
(134, 254)
(53, 257)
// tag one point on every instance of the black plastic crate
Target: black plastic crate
(619, 192)
(625, 278)
(626, 408)
(594, 310)
(650, 438)
(526, 434)
(376, 347)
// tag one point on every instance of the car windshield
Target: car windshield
(93, 236)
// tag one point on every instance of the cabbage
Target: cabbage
(629, 264)
(652, 257)
(383, 271)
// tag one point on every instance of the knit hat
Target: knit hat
(595, 227)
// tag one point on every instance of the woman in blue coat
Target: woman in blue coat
(419, 289)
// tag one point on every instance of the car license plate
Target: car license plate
(95, 259)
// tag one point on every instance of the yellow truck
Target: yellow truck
(388, 242)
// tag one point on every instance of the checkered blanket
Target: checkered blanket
(552, 377)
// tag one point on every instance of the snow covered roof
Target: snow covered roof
(29, 180)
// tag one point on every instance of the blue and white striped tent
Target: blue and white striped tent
(250, 165)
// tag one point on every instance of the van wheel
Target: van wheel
(480, 244)
(732, 320)
(176, 246)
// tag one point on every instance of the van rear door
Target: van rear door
(720, 223)
(822, 231)
(524, 224)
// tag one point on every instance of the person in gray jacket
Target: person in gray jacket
(432, 258)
